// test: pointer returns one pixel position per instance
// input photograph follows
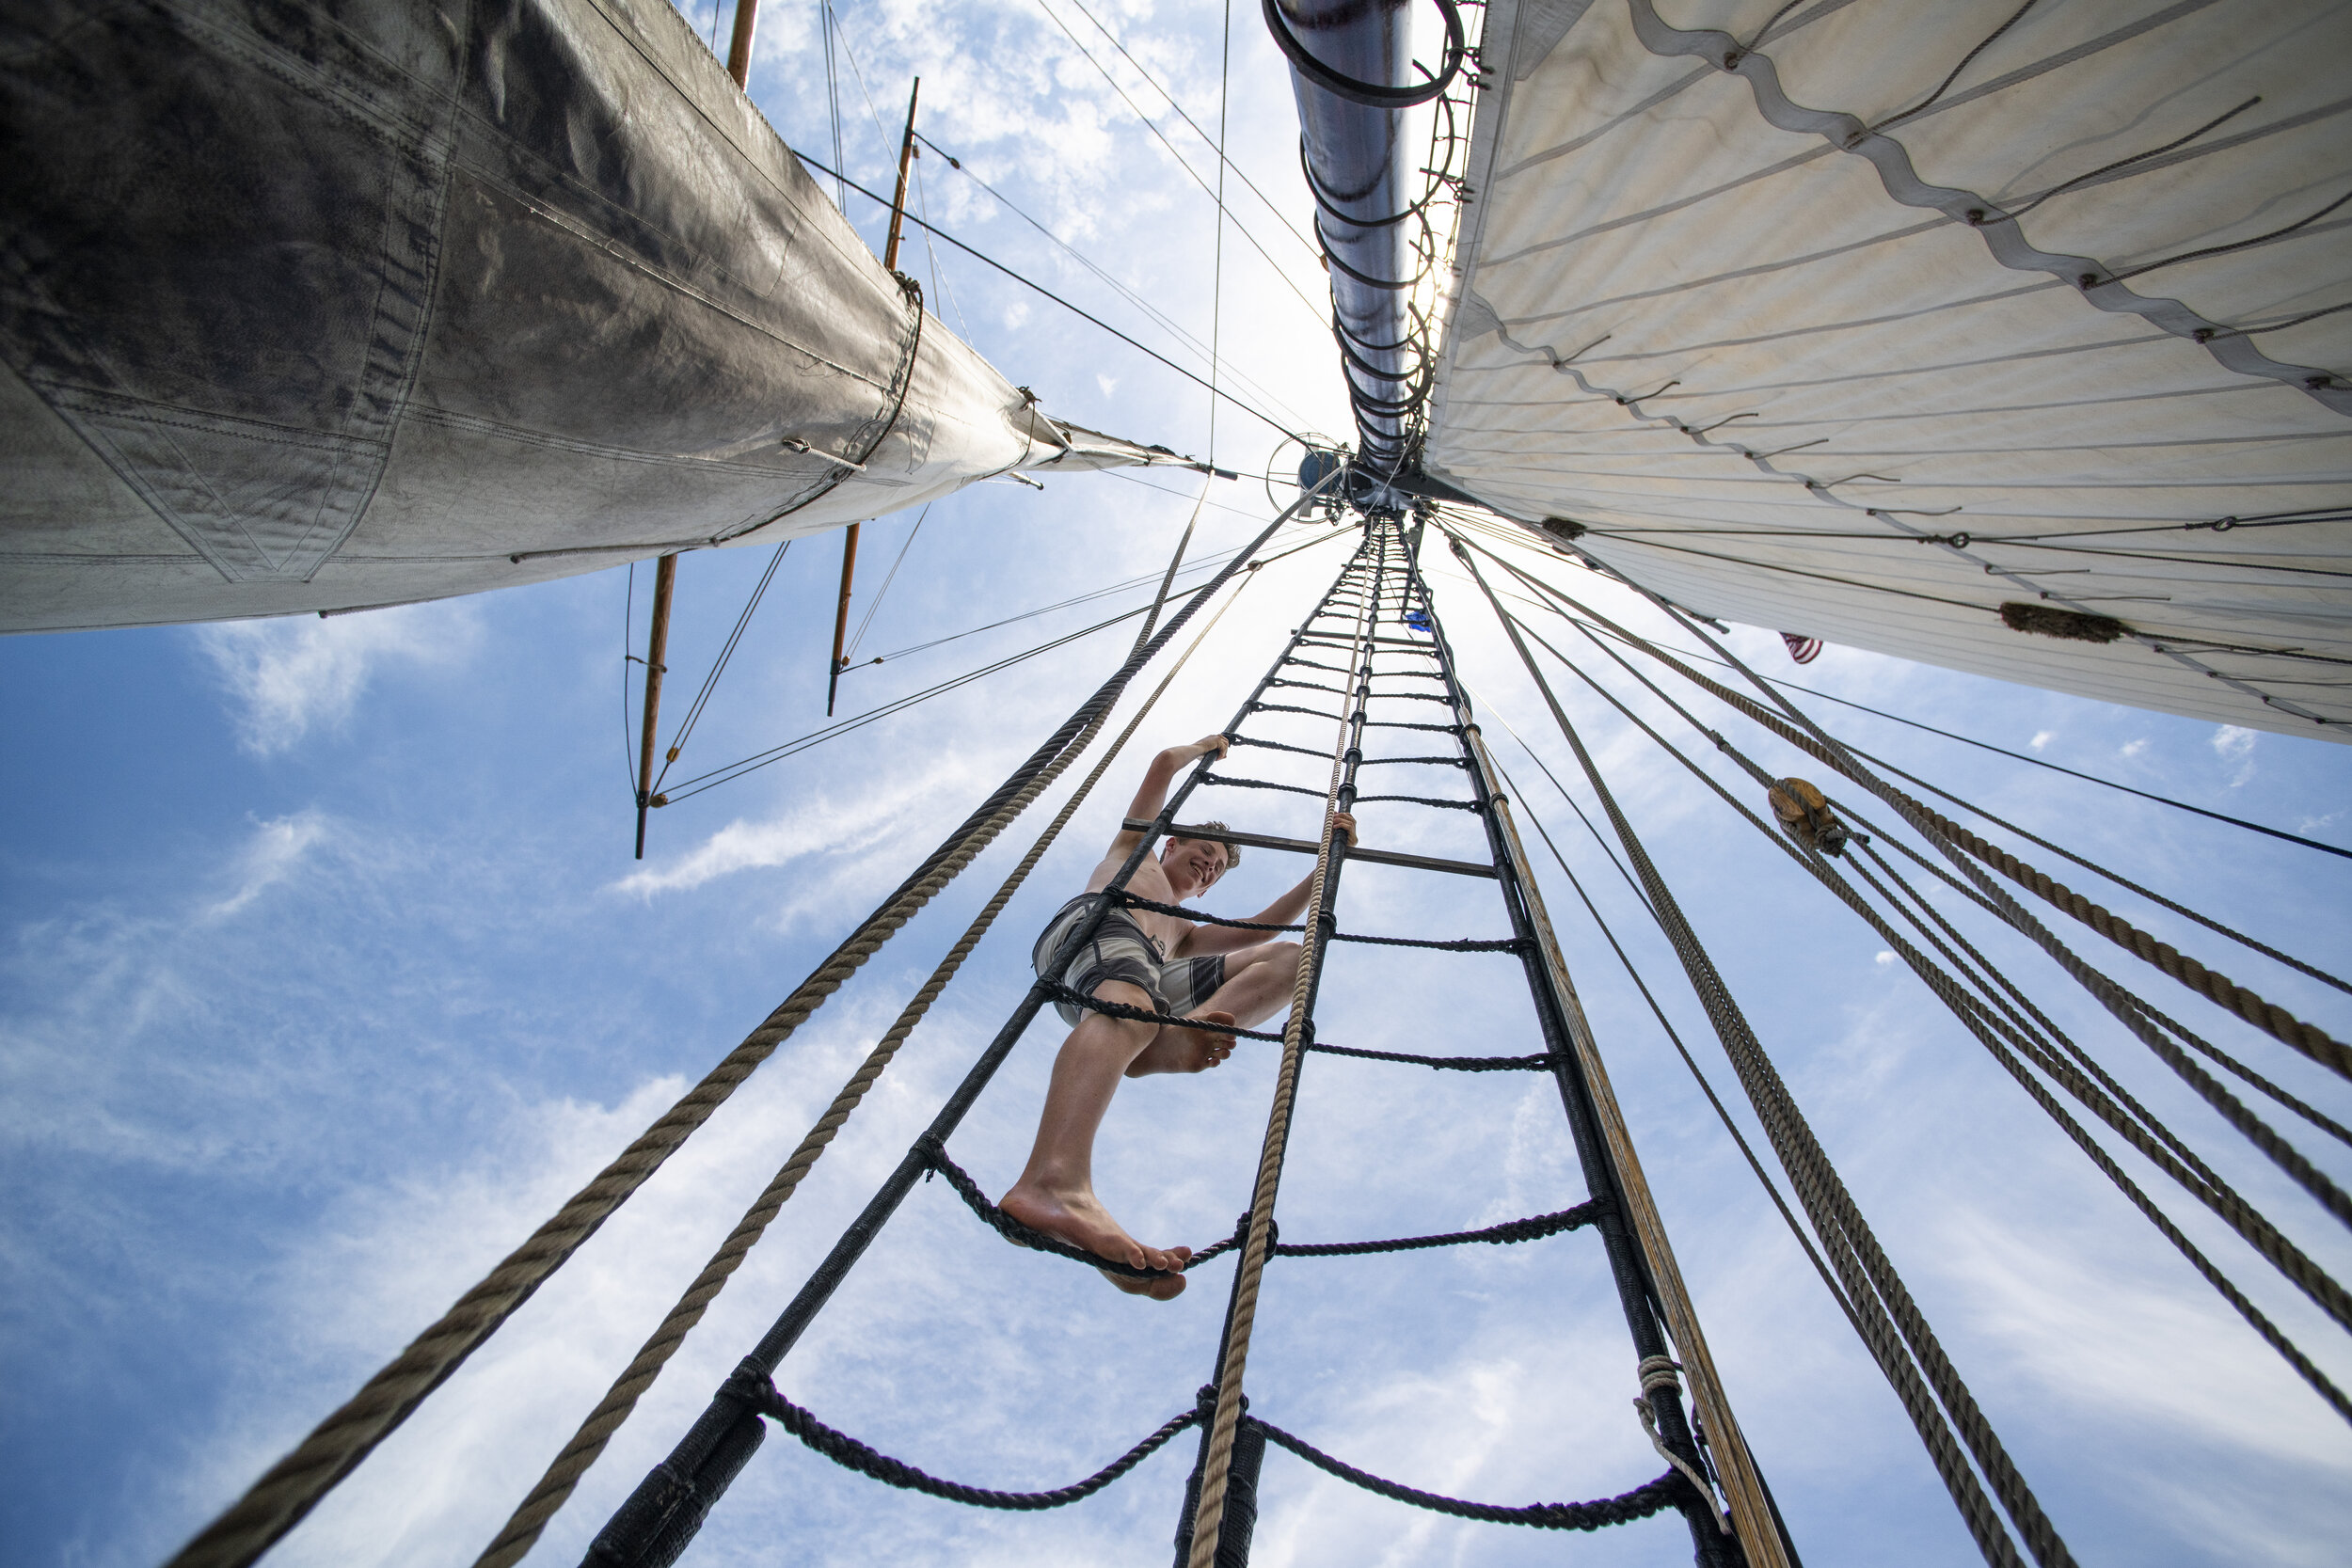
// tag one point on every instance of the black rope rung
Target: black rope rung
(1278, 746)
(1401, 724)
(1455, 1064)
(1310, 686)
(1145, 1014)
(1313, 713)
(1261, 784)
(1532, 1228)
(1013, 1230)
(1446, 944)
(1413, 800)
(1652, 1498)
(851, 1454)
(1434, 762)
(1122, 896)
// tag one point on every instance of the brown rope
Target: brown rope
(1217, 1462)
(1883, 1305)
(2267, 1016)
(292, 1486)
(522, 1530)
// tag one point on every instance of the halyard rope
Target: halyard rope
(1217, 1460)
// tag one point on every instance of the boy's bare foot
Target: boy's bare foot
(1080, 1219)
(1176, 1048)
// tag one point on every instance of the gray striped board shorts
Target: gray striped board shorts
(1121, 950)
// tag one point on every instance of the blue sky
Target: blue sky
(328, 974)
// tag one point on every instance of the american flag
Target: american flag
(1804, 650)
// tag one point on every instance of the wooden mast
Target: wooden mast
(665, 570)
(848, 536)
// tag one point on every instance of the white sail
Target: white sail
(1864, 321)
(326, 307)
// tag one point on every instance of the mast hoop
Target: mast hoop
(1371, 94)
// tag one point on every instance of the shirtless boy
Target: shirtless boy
(1215, 975)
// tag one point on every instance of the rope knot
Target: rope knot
(1805, 815)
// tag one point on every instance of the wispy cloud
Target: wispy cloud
(2235, 745)
(287, 677)
(2041, 739)
(808, 826)
(277, 850)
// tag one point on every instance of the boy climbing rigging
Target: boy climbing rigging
(1216, 976)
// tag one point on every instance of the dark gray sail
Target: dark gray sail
(328, 306)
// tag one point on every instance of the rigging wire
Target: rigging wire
(833, 96)
(719, 666)
(1202, 565)
(1221, 506)
(1219, 144)
(887, 581)
(1218, 195)
(1131, 295)
(731, 772)
(758, 760)
(1501, 535)
(939, 279)
(1031, 283)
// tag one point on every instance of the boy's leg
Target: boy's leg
(1056, 1193)
(1259, 983)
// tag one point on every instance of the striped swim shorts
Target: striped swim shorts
(1121, 950)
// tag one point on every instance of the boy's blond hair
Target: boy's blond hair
(1209, 834)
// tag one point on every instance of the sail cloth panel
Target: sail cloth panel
(1807, 345)
(323, 306)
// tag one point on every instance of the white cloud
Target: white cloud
(290, 675)
(277, 848)
(2041, 739)
(2133, 748)
(1883, 958)
(1108, 383)
(2233, 744)
(808, 826)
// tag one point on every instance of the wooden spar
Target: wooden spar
(657, 647)
(890, 263)
(1309, 847)
(841, 615)
(740, 49)
(665, 570)
(898, 199)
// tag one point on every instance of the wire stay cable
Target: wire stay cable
(1026, 282)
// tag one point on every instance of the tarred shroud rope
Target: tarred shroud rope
(522, 1529)
(291, 1488)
